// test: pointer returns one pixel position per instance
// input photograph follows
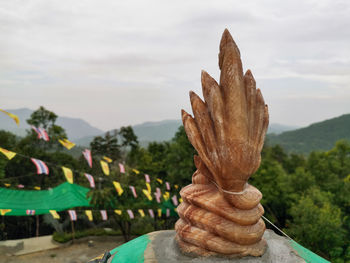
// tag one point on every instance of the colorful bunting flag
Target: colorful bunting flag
(42, 134)
(72, 215)
(20, 186)
(13, 116)
(176, 186)
(174, 199)
(41, 167)
(151, 213)
(159, 212)
(157, 195)
(148, 187)
(67, 144)
(105, 167)
(160, 181)
(37, 188)
(5, 211)
(7, 185)
(148, 194)
(88, 213)
(90, 179)
(147, 178)
(54, 214)
(167, 212)
(109, 160)
(167, 186)
(158, 191)
(104, 215)
(30, 212)
(87, 155)
(142, 214)
(7, 153)
(118, 188)
(180, 200)
(121, 168)
(131, 214)
(166, 196)
(136, 171)
(68, 174)
(118, 212)
(132, 188)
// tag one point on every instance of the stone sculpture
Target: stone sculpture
(221, 213)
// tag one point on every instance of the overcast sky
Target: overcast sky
(117, 63)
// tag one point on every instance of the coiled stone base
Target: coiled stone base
(209, 224)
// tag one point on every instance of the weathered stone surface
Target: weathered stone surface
(164, 248)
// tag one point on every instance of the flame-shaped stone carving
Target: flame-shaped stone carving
(221, 212)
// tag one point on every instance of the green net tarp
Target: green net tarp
(306, 254)
(62, 197)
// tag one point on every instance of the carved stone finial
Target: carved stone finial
(221, 212)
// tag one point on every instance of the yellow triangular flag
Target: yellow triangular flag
(148, 194)
(88, 213)
(148, 187)
(68, 144)
(54, 214)
(176, 186)
(7, 153)
(159, 212)
(160, 180)
(37, 188)
(118, 188)
(13, 116)
(7, 185)
(118, 212)
(141, 213)
(166, 196)
(4, 211)
(136, 171)
(107, 159)
(68, 174)
(105, 167)
(180, 200)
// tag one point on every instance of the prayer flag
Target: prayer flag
(166, 196)
(72, 215)
(148, 194)
(147, 178)
(7, 185)
(41, 167)
(104, 215)
(131, 214)
(42, 134)
(67, 144)
(141, 213)
(118, 188)
(54, 214)
(136, 171)
(121, 168)
(176, 186)
(105, 167)
(151, 213)
(7, 153)
(132, 188)
(167, 212)
(90, 179)
(160, 180)
(167, 186)
(158, 191)
(13, 116)
(4, 211)
(180, 200)
(30, 212)
(68, 174)
(37, 188)
(174, 199)
(159, 212)
(88, 213)
(109, 160)
(118, 212)
(148, 187)
(87, 155)
(20, 186)
(157, 195)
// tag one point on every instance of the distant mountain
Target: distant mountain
(75, 128)
(279, 128)
(317, 136)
